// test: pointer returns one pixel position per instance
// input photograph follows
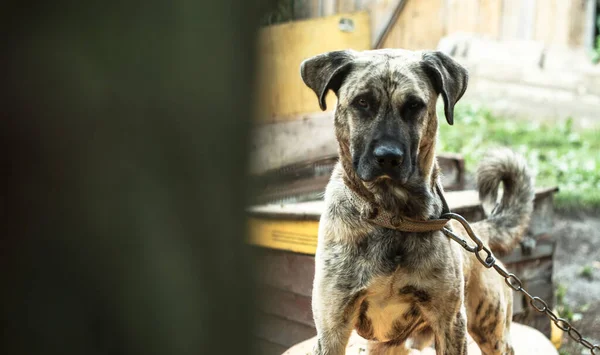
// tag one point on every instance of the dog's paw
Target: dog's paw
(317, 349)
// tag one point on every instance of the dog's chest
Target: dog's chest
(384, 251)
(390, 312)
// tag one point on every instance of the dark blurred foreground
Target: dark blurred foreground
(123, 138)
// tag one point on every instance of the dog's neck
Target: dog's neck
(418, 199)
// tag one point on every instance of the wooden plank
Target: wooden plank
(278, 296)
(286, 285)
(489, 18)
(329, 7)
(577, 22)
(545, 28)
(281, 93)
(553, 21)
(420, 25)
(285, 270)
(297, 236)
(543, 250)
(286, 304)
(462, 16)
(542, 288)
(519, 19)
(305, 137)
(315, 8)
(384, 14)
(543, 214)
(561, 22)
(511, 19)
(294, 227)
(307, 181)
(281, 331)
(346, 6)
(312, 210)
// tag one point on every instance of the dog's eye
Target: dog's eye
(414, 105)
(362, 103)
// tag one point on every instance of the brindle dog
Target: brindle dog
(404, 289)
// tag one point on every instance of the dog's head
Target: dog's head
(386, 106)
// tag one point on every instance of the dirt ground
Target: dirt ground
(577, 271)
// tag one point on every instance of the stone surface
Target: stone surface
(526, 340)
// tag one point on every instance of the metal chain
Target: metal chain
(489, 261)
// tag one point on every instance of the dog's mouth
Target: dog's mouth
(382, 179)
(372, 174)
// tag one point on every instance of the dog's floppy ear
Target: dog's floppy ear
(448, 77)
(326, 71)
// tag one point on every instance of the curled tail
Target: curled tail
(508, 219)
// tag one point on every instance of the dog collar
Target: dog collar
(386, 219)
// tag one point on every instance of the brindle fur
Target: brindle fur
(402, 289)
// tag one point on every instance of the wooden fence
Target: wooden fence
(282, 94)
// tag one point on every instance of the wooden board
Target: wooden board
(281, 93)
(489, 16)
(306, 137)
(294, 227)
(286, 304)
(278, 330)
(577, 22)
(297, 236)
(383, 13)
(462, 16)
(547, 26)
(420, 25)
(287, 271)
(285, 286)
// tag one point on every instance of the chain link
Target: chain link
(513, 281)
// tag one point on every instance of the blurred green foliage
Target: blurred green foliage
(558, 153)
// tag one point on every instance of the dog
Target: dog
(406, 288)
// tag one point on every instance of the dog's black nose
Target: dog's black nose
(389, 157)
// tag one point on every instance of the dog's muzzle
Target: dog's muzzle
(387, 159)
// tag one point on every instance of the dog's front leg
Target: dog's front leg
(335, 314)
(447, 317)
(451, 334)
(335, 306)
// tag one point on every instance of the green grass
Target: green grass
(563, 309)
(587, 272)
(561, 292)
(558, 154)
